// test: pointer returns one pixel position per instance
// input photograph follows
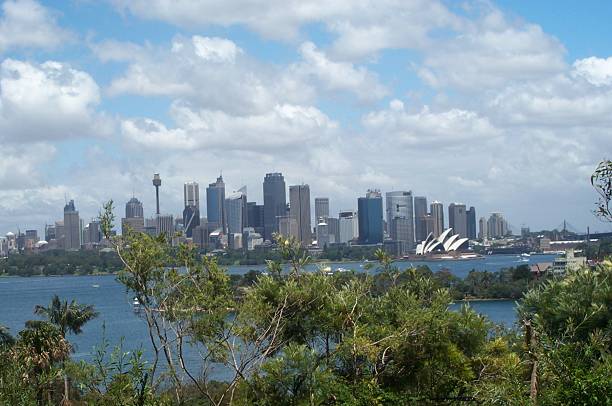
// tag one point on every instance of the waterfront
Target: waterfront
(18, 296)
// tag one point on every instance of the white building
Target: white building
(349, 226)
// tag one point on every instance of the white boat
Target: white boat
(524, 254)
(95, 286)
(136, 305)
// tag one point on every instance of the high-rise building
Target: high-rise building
(457, 219)
(299, 209)
(333, 228)
(349, 226)
(236, 209)
(370, 213)
(165, 225)
(482, 227)
(191, 192)
(133, 208)
(420, 210)
(191, 219)
(471, 223)
(497, 226)
(287, 226)
(437, 213)
(275, 202)
(215, 204)
(255, 217)
(93, 233)
(72, 227)
(321, 208)
(399, 218)
(191, 211)
(322, 232)
(134, 217)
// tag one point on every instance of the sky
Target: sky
(502, 105)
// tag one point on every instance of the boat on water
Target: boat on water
(525, 255)
(95, 286)
(136, 305)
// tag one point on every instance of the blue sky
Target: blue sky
(504, 105)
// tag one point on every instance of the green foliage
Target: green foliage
(68, 317)
(60, 262)
(602, 182)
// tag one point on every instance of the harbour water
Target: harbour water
(18, 296)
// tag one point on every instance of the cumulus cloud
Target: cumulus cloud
(47, 101)
(426, 128)
(492, 51)
(210, 72)
(337, 76)
(285, 127)
(362, 27)
(21, 165)
(597, 71)
(26, 23)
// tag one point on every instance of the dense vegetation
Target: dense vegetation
(60, 262)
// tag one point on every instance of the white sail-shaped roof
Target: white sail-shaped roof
(449, 241)
(444, 234)
(457, 244)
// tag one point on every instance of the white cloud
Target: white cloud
(47, 101)
(362, 27)
(210, 72)
(26, 23)
(491, 51)
(337, 76)
(597, 71)
(22, 165)
(425, 128)
(285, 127)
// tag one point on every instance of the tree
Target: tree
(602, 182)
(68, 318)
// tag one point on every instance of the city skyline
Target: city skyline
(508, 110)
(128, 209)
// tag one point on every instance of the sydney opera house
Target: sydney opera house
(444, 243)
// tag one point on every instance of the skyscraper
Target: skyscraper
(133, 208)
(236, 209)
(191, 211)
(471, 223)
(72, 227)
(215, 204)
(321, 208)
(255, 217)
(275, 202)
(191, 191)
(420, 210)
(437, 212)
(399, 218)
(482, 226)
(299, 209)
(370, 213)
(457, 219)
(349, 226)
(134, 217)
(496, 226)
(165, 225)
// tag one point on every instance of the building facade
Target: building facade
(348, 226)
(436, 210)
(399, 218)
(299, 209)
(420, 210)
(471, 223)
(370, 213)
(275, 203)
(72, 227)
(457, 219)
(215, 204)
